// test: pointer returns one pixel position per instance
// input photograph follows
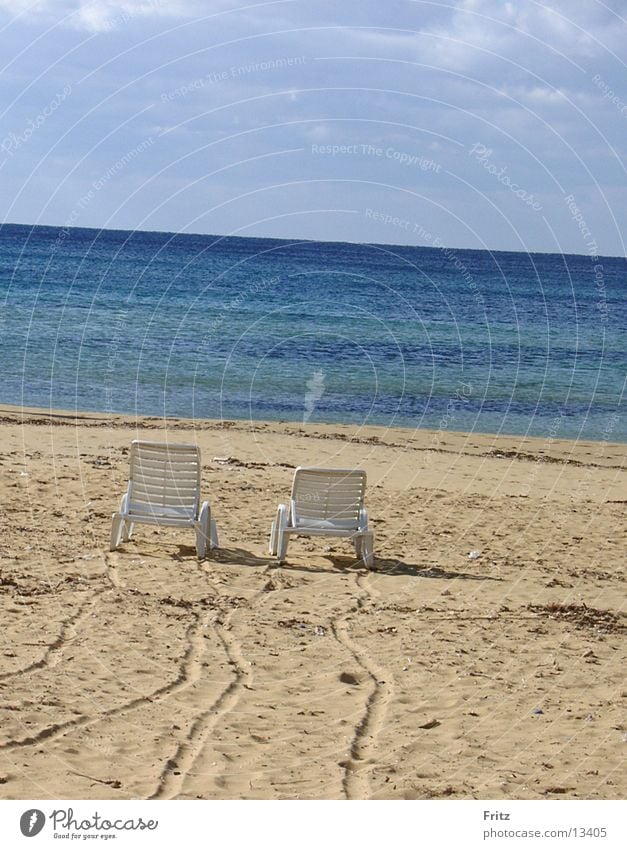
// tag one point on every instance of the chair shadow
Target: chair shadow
(343, 563)
(384, 566)
(224, 556)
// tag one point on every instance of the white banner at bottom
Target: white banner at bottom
(312, 824)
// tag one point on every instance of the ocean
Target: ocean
(216, 327)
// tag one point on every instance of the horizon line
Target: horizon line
(299, 240)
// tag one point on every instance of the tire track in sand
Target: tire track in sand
(52, 653)
(111, 562)
(179, 766)
(190, 670)
(356, 781)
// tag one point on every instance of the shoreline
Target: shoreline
(426, 439)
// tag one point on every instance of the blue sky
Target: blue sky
(477, 123)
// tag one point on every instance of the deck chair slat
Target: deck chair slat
(313, 492)
(155, 509)
(339, 488)
(165, 483)
(187, 479)
(336, 480)
(303, 507)
(148, 496)
(150, 481)
(163, 512)
(315, 498)
(179, 467)
(144, 497)
(328, 514)
(145, 446)
(173, 459)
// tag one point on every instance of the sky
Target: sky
(470, 124)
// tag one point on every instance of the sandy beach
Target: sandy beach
(143, 673)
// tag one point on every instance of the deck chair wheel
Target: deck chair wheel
(272, 547)
(282, 547)
(213, 534)
(368, 550)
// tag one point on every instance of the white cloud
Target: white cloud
(96, 16)
(18, 7)
(538, 96)
(478, 32)
(111, 14)
(318, 133)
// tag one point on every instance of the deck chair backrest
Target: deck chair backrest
(330, 495)
(164, 479)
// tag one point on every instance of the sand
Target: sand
(145, 674)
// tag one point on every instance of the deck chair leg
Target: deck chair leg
(276, 532)
(203, 531)
(127, 531)
(368, 549)
(117, 526)
(282, 543)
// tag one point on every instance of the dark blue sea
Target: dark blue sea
(243, 328)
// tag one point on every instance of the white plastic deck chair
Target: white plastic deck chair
(325, 502)
(164, 489)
